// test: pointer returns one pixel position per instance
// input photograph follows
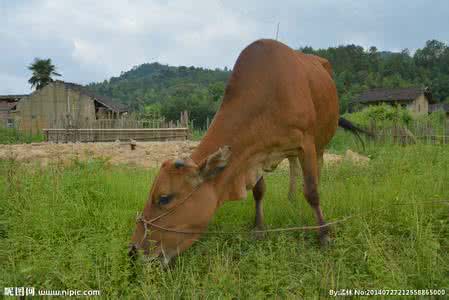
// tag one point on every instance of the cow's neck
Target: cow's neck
(231, 131)
(216, 136)
(206, 148)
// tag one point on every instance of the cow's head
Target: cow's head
(183, 198)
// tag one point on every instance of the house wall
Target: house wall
(4, 116)
(420, 105)
(5, 112)
(54, 106)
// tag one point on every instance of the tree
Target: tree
(431, 54)
(42, 72)
(373, 59)
(216, 90)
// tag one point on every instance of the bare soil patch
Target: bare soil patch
(146, 154)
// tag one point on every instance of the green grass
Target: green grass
(343, 141)
(15, 136)
(68, 228)
(197, 134)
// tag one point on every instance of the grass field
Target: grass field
(14, 136)
(68, 228)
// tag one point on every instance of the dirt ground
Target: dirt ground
(146, 154)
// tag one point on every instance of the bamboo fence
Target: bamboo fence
(124, 129)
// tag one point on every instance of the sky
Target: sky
(90, 41)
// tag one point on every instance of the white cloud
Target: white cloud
(11, 84)
(111, 36)
(86, 52)
(93, 40)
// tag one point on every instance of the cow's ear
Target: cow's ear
(215, 163)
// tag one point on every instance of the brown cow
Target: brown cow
(277, 104)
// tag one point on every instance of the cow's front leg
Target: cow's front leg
(258, 193)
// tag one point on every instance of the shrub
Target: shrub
(382, 115)
(14, 136)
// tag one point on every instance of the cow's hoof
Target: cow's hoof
(258, 235)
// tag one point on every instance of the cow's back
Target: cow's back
(285, 88)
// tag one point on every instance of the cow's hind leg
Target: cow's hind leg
(294, 177)
(309, 163)
(320, 159)
(258, 193)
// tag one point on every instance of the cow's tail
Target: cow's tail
(347, 125)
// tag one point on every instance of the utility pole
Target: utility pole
(277, 31)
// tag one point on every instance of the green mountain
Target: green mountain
(168, 90)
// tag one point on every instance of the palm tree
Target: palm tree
(42, 70)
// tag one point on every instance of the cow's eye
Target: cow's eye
(165, 199)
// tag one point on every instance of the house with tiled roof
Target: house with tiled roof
(415, 99)
(8, 105)
(64, 105)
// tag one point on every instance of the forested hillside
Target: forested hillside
(356, 70)
(169, 90)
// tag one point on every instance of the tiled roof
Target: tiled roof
(7, 106)
(397, 94)
(9, 102)
(114, 105)
(11, 97)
